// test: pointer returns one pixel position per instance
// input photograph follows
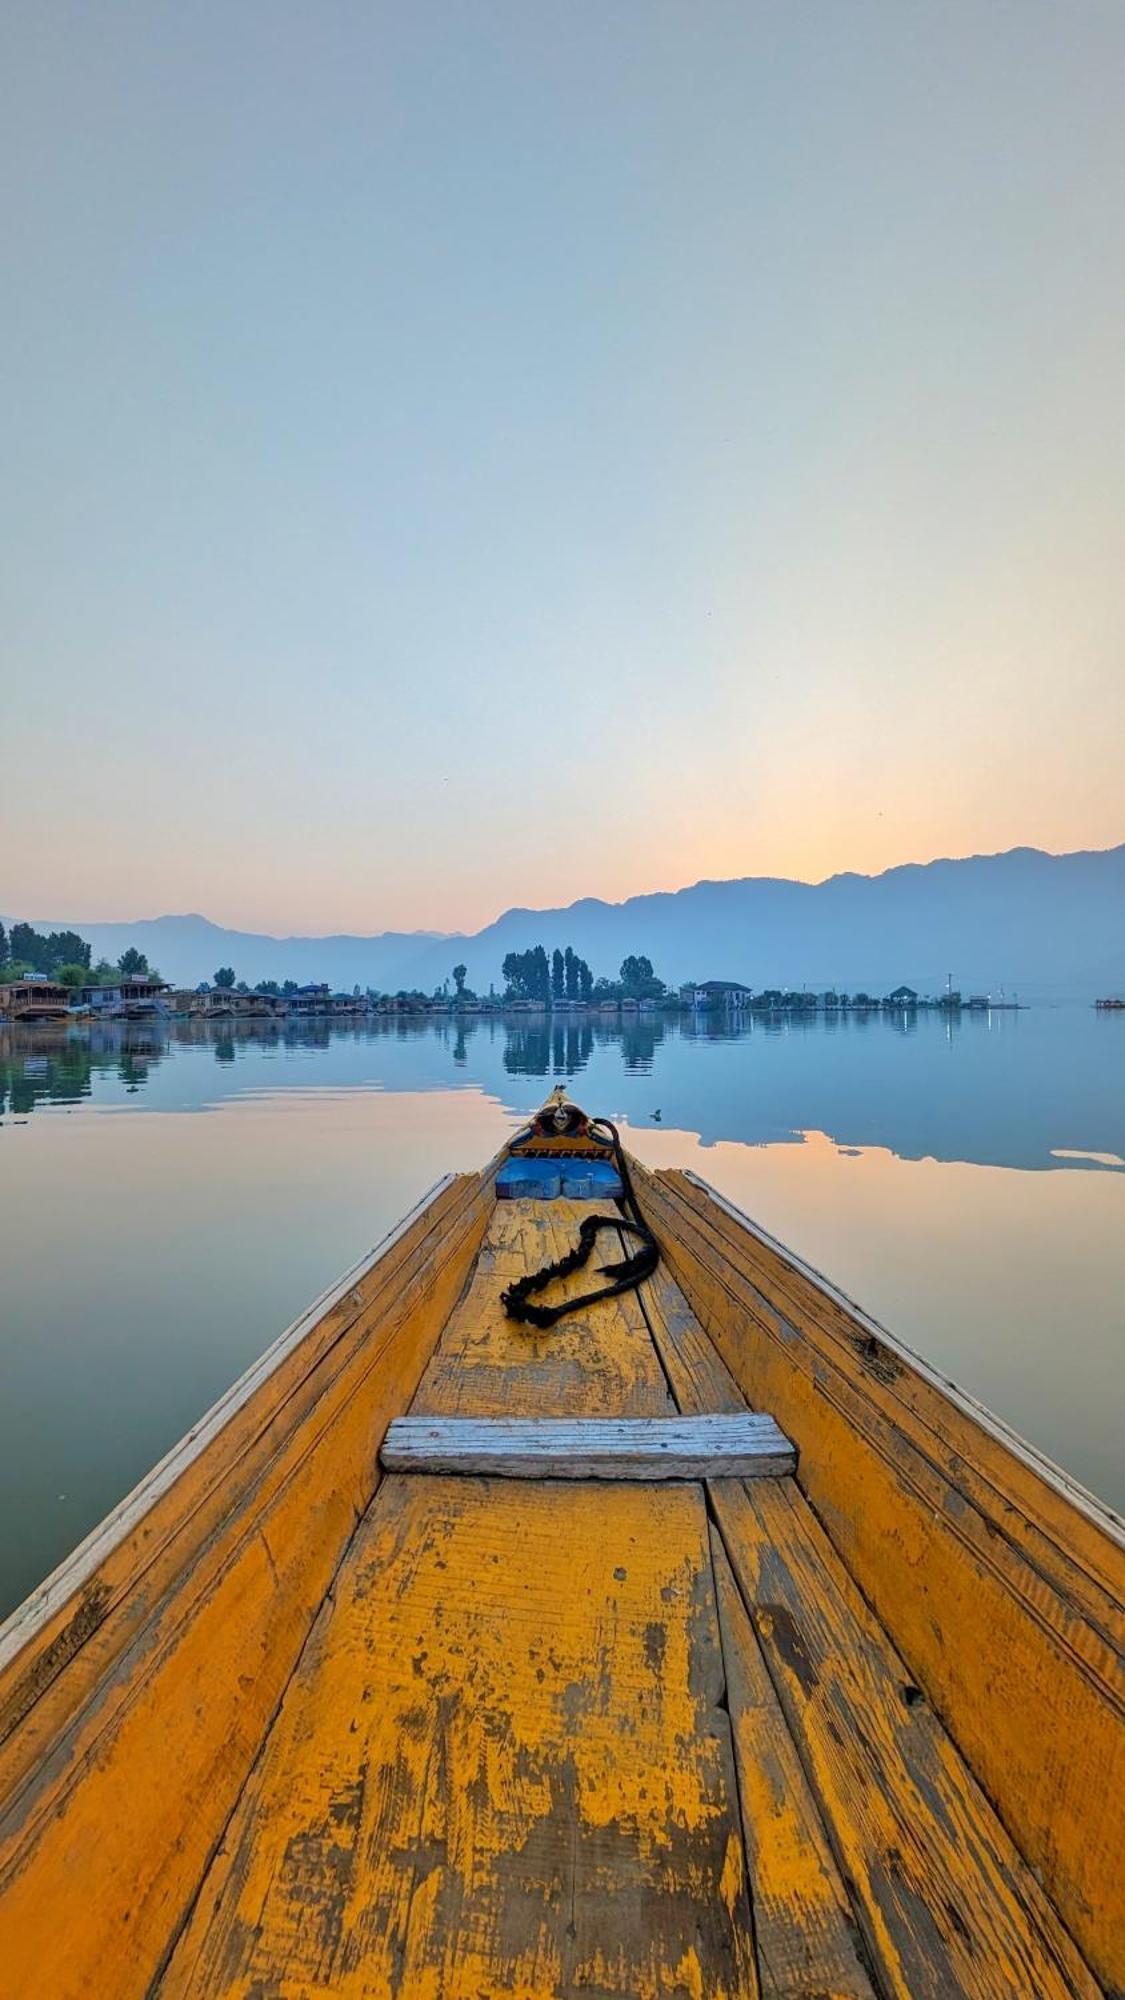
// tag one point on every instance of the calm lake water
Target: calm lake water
(171, 1198)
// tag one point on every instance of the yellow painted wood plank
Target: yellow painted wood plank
(805, 1930)
(1074, 1542)
(947, 1904)
(1000, 1594)
(787, 1849)
(502, 1767)
(695, 1370)
(601, 1363)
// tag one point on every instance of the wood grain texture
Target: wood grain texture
(501, 1768)
(806, 1837)
(695, 1370)
(805, 1931)
(1074, 1540)
(947, 1904)
(1002, 1594)
(105, 1829)
(745, 1445)
(601, 1363)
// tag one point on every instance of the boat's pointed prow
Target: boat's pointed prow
(465, 1651)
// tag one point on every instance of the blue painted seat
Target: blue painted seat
(543, 1179)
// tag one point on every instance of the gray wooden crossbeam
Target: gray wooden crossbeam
(742, 1445)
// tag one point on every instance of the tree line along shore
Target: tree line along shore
(535, 981)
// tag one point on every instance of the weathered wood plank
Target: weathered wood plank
(789, 1828)
(697, 1374)
(948, 1906)
(1009, 1625)
(745, 1445)
(104, 1837)
(805, 1931)
(501, 1768)
(601, 1363)
(1074, 1539)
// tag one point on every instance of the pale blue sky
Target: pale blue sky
(466, 455)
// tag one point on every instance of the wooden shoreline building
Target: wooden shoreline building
(33, 1001)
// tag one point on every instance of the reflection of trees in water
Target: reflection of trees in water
(639, 1043)
(563, 1048)
(571, 1044)
(527, 1051)
(70, 1064)
(58, 1065)
(542, 1049)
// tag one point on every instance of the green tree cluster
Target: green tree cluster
(639, 981)
(530, 975)
(28, 950)
(462, 993)
(635, 981)
(64, 956)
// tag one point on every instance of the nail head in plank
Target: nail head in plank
(743, 1444)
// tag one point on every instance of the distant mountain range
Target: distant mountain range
(1048, 926)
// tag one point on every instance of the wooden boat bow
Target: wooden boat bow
(300, 1720)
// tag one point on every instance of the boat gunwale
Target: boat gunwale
(1062, 1484)
(77, 1569)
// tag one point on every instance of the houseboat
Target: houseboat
(33, 1000)
(313, 999)
(223, 1003)
(515, 1628)
(138, 999)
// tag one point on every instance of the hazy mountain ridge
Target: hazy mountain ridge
(1049, 926)
(188, 949)
(1052, 925)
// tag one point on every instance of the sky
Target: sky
(460, 456)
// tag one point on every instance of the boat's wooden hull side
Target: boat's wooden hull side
(1001, 1584)
(136, 1687)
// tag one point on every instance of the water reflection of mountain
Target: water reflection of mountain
(1005, 1090)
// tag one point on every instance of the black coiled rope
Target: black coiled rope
(626, 1275)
